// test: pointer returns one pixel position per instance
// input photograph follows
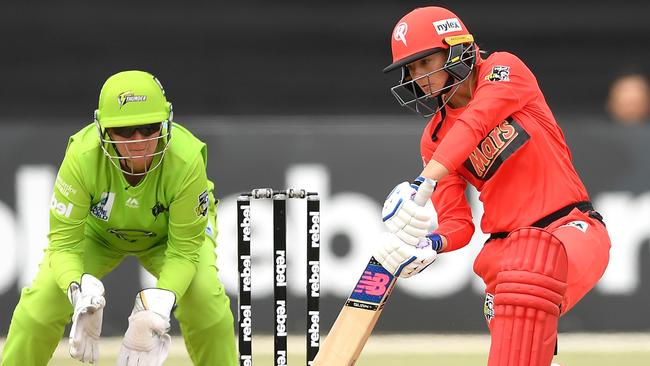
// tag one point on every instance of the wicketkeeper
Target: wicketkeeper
(132, 183)
(491, 127)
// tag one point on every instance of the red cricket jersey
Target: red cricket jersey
(507, 144)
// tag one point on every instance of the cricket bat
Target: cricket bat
(362, 309)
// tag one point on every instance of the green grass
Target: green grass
(421, 350)
(437, 359)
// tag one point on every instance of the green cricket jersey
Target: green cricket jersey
(170, 206)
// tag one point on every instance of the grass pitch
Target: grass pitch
(629, 349)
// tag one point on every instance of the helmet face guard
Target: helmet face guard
(133, 100)
(110, 149)
(459, 65)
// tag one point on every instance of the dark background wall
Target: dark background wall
(293, 57)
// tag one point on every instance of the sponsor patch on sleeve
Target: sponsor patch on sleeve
(65, 188)
(499, 73)
(202, 208)
(61, 208)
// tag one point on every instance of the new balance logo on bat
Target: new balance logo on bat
(373, 284)
(373, 287)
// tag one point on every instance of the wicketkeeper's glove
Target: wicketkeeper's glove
(146, 341)
(87, 298)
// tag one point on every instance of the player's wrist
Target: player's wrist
(436, 241)
(88, 285)
(158, 300)
(421, 179)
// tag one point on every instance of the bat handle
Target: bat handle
(424, 192)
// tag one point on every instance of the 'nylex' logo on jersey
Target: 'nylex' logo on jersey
(128, 97)
(506, 138)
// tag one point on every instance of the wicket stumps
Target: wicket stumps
(244, 234)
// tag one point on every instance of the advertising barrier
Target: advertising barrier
(353, 162)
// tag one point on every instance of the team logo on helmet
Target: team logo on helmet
(128, 96)
(447, 25)
(400, 32)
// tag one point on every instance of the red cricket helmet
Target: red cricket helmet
(423, 32)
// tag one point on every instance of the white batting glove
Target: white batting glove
(405, 260)
(403, 217)
(87, 298)
(146, 341)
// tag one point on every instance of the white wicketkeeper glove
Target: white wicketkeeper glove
(87, 298)
(405, 260)
(146, 341)
(403, 217)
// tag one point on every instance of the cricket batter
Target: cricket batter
(133, 183)
(492, 128)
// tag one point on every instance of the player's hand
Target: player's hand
(403, 217)
(87, 298)
(405, 260)
(146, 341)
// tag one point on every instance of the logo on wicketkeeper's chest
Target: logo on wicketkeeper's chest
(504, 139)
(131, 235)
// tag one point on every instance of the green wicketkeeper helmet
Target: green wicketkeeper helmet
(132, 98)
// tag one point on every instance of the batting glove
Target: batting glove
(403, 217)
(146, 341)
(405, 260)
(87, 298)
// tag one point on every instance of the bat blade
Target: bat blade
(357, 319)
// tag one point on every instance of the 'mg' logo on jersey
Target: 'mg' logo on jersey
(506, 138)
(202, 208)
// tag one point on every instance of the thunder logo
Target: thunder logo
(128, 96)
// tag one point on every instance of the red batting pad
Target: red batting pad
(529, 291)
